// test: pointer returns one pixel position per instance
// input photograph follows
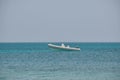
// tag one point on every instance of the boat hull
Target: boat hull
(63, 48)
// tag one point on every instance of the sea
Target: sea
(36, 61)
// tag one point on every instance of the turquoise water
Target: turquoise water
(36, 61)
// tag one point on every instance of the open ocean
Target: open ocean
(36, 61)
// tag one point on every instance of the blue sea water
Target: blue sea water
(36, 61)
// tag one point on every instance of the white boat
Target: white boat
(63, 47)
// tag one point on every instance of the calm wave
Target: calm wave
(36, 61)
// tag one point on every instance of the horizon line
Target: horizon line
(60, 42)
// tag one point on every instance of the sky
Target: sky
(59, 20)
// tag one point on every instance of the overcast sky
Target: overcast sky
(59, 20)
